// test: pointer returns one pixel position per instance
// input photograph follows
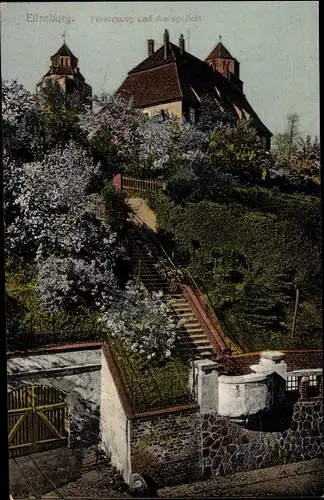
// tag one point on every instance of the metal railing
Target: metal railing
(183, 276)
(31, 340)
(152, 386)
(173, 273)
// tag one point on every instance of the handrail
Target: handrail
(188, 351)
(209, 310)
(179, 275)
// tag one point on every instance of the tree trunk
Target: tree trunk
(295, 313)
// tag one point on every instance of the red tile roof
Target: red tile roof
(182, 76)
(151, 87)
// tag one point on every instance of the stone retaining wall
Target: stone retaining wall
(227, 448)
(167, 447)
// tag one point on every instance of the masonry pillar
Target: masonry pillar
(271, 361)
(303, 387)
(117, 182)
(206, 385)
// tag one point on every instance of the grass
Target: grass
(152, 385)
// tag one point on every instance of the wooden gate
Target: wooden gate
(37, 420)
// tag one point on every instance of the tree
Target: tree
(144, 324)
(61, 112)
(193, 178)
(238, 151)
(23, 123)
(75, 253)
(47, 192)
(156, 144)
(111, 130)
(68, 283)
(305, 162)
(212, 116)
(165, 141)
(286, 143)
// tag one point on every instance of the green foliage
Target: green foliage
(286, 143)
(29, 325)
(238, 150)
(61, 115)
(117, 210)
(153, 385)
(250, 260)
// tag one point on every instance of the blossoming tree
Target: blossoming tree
(144, 324)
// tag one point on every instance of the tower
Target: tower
(222, 61)
(65, 71)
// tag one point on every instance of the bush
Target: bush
(250, 256)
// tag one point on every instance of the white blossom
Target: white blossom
(116, 119)
(145, 324)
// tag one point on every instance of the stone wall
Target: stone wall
(114, 424)
(77, 374)
(228, 448)
(166, 446)
(296, 359)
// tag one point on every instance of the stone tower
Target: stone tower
(65, 71)
(222, 61)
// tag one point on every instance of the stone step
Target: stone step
(181, 307)
(200, 341)
(198, 336)
(197, 352)
(196, 329)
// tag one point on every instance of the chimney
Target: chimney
(150, 47)
(181, 44)
(166, 43)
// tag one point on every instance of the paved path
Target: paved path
(298, 479)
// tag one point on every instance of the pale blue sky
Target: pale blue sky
(275, 42)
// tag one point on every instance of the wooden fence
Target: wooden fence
(37, 420)
(131, 186)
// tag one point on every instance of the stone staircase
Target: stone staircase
(152, 274)
(196, 339)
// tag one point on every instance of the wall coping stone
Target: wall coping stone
(206, 365)
(306, 371)
(56, 372)
(79, 346)
(272, 355)
(243, 379)
(166, 411)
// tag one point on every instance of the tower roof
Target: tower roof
(64, 51)
(220, 51)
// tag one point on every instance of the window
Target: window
(192, 115)
(292, 383)
(313, 380)
(62, 61)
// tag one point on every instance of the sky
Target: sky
(276, 43)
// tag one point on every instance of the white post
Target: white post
(206, 385)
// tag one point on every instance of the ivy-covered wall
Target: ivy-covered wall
(250, 254)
